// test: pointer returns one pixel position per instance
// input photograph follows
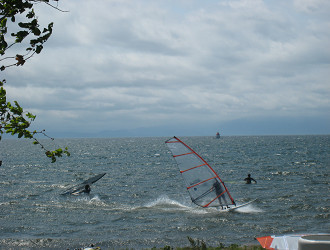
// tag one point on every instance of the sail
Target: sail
(82, 185)
(93, 179)
(205, 187)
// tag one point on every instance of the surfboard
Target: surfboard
(77, 189)
(240, 206)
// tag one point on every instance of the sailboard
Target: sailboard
(291, 242)
(241, 205)
(77, 189)
(204, 185)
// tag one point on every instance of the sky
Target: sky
(122, 68)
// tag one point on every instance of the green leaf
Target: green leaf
(31, 14)
(20, 36)
(39, 48)
(36, 32)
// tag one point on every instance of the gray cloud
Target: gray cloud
(114, 65)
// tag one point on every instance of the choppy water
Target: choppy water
(141, 202)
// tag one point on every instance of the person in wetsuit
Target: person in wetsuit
(249, 179)
(219, 190)
(87, 189)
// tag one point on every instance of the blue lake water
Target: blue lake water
(142, 202)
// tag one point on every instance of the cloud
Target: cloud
(125, 65)
(312, 6)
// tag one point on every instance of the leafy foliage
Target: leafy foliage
(27, 28)
(13, 119)
(201, 245)
(197, 244)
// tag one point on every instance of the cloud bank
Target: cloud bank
(159, 68)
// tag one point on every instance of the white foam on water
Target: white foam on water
(165, 203)
(97, 201)
(249, 209)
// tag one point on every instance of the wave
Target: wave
(165, 201)
(249, 209)
(169, 205)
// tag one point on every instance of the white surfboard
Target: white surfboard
(240, 206)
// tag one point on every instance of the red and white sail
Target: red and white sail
(205, 187)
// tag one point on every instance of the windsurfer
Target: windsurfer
(87, 189)
(249, 179)
(219, 192)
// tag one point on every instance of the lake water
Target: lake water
(142, 202)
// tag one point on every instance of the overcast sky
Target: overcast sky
(179, 67)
